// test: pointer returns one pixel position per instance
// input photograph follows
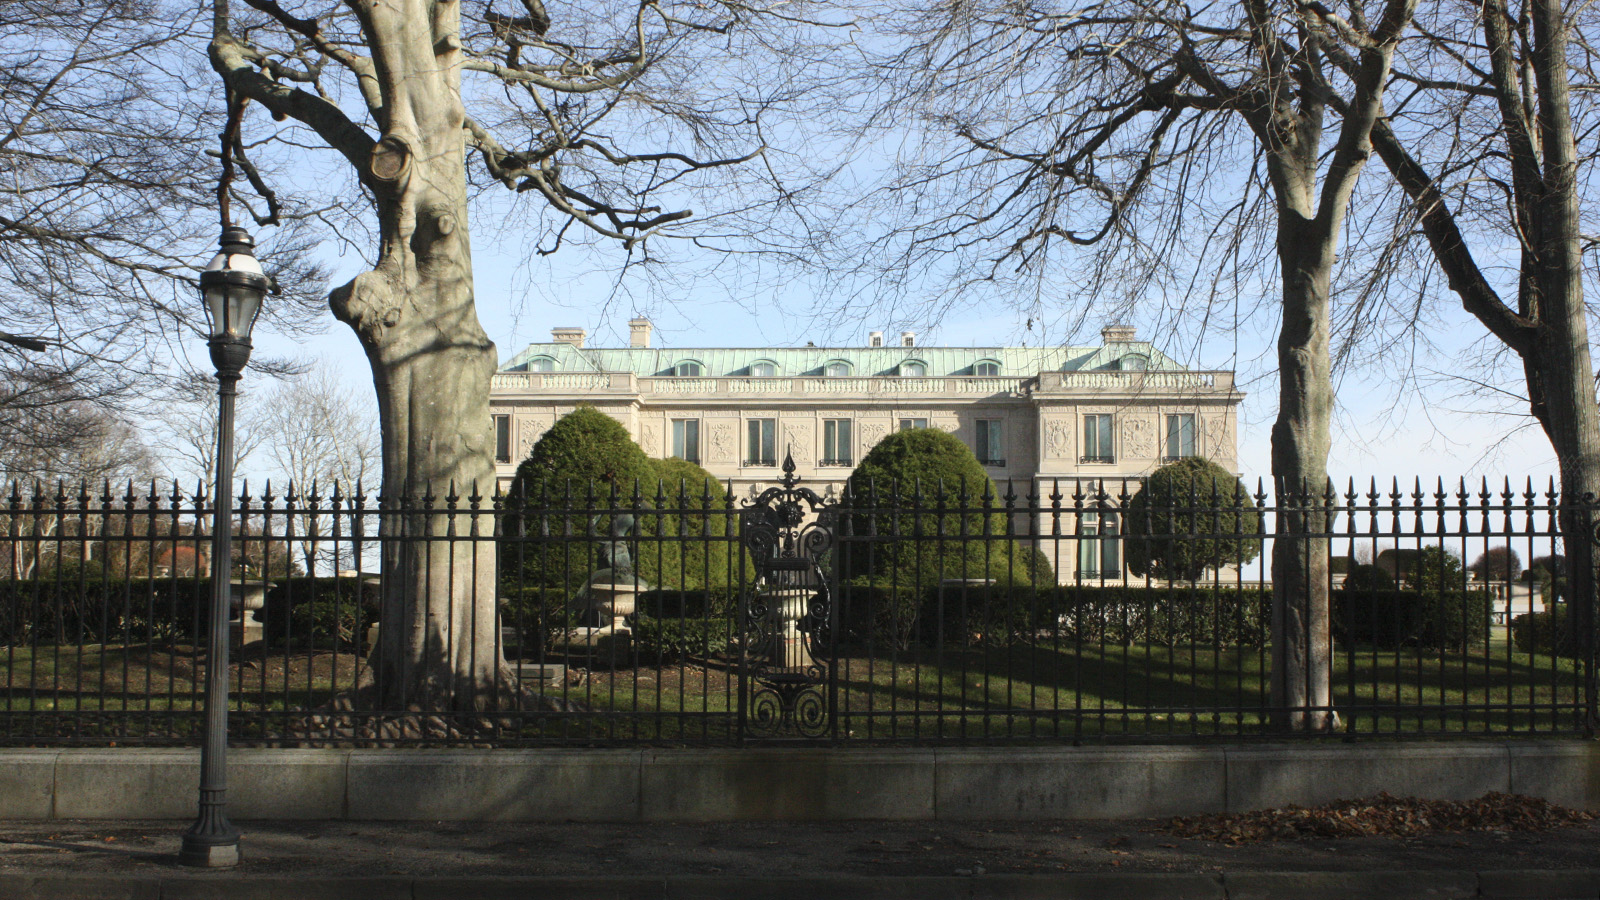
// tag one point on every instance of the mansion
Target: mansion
(1110, 414)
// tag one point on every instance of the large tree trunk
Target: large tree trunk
(1301, 642)
(431, 365)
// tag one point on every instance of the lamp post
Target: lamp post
(233, 286)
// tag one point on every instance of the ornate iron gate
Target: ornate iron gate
(788, 686)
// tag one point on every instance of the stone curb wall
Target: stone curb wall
(768, 784)
(1432, 885)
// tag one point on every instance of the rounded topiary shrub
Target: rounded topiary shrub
(585, 479)
(1367, 577)
(585, 454)
(688, 540)
(1190, 516)
(923, 510)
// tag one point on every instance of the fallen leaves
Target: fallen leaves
(1381, 816)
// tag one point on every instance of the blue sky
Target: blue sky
(1425, 436)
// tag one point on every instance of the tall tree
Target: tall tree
(1116, 129)
(320, 437)
(1486, 149)
(107, 205)
(558, 101)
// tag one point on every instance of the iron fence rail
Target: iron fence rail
(683, 614)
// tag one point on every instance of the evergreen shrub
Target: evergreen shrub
(1189, 516)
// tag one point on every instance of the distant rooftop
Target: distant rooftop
(566, 353)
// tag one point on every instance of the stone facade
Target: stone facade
(1041, 398)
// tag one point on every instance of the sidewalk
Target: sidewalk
(825, 861)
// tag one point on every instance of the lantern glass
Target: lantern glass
(233, 295)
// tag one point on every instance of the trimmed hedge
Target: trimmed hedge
(320, 613)
(996, 615)
(1428, 619)
(98, 610)
(539, 615)
(674, 640)
(1549, 632)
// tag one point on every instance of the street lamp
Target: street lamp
(233, 286)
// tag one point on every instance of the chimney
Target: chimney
(639, 332)
(908, 338)
(875, 339)
(1118, 334)
(573, 336)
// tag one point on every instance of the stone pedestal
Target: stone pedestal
(612, 601)
(246, 598)
(785, 608)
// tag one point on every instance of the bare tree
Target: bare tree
(1485, 146)
(610, 112)
(1152, 143)
(189, 439)
(106, 206)
(320, 436)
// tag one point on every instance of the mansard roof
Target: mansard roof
(864, 361)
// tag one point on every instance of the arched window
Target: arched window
(1134, 362)
(913, 368)
(986, 367)
(837, 368)
(689, 368)
(541, 364)
(763, 368)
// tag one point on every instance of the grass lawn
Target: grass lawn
(1050, 692)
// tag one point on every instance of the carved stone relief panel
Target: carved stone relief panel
(529, 430)
(871, 434)
(722, 442)
(1138, 435)
(797, 442)
(1217, 431)
(650, 439)
(1058, 438)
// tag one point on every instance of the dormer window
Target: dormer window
(541, 364)
(986, 368)
(912, 368)
(1133, 362)
(763, 368)
(689, 368)
(837, 368)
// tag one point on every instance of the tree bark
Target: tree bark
(1301, 639)
(431, 366)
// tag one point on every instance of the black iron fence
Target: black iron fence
(681, 614)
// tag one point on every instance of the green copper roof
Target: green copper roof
(736, 361)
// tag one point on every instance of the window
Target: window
(988, 368)
(1097, 439)
(908, 424)
(688, 369)
(1099, 551)
(761, 440)
(763, 369)
(686, 439)
(502, 439)
(836, 442)
(1133, 363)
(989, 449)
(1180, 436)
(913, 370)
(836, 369)
(877, 339)
(542, 364)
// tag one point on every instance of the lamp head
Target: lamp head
(233, 286)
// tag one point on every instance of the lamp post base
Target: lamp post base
(211, 856)
(211, 842)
